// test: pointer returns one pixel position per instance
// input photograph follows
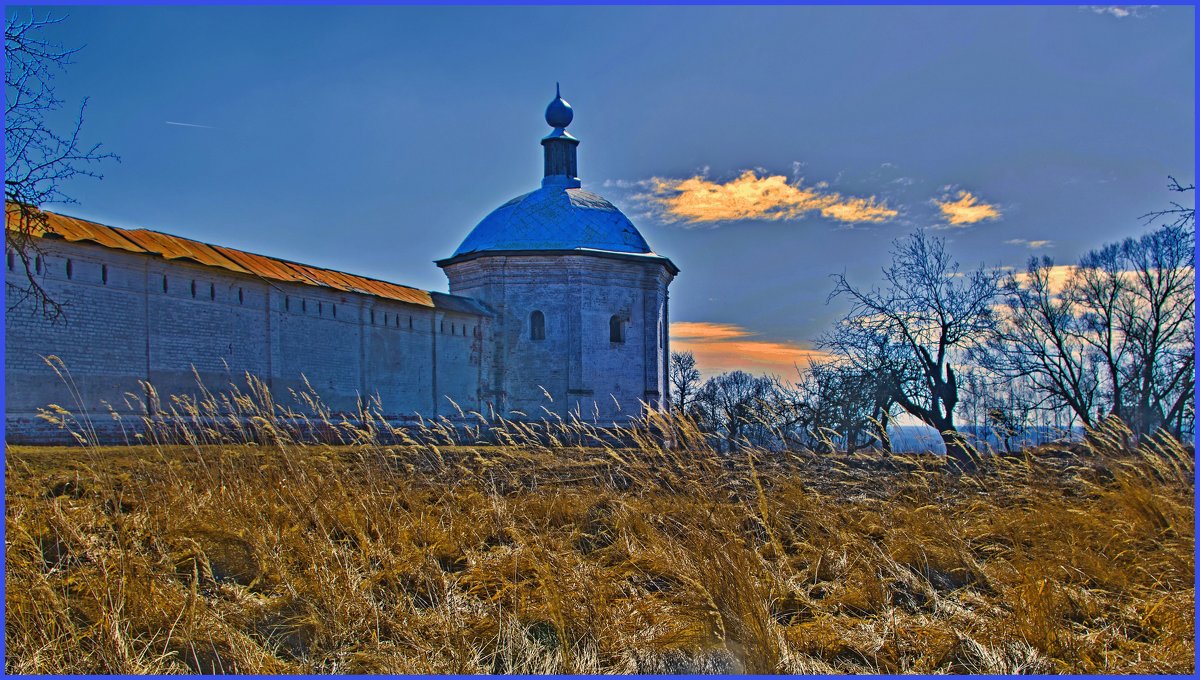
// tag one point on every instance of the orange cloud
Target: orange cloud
(750, 197)
(721, 347)
(1058, 276)
(966, 210)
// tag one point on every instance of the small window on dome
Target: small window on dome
(616, 329)
(537, 326)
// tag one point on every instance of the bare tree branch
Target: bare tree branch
(38, 160)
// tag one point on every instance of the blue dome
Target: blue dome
(555, 217)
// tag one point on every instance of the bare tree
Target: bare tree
(1116, 335)
(1137, 312)
(929, 314)
(844, 407)
(1177, 215)
(37, 159)
(1040, 338)
(734, 404)
(685, 381)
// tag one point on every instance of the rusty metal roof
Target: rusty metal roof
(172, 247)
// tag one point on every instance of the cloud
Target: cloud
(1032, 245)
(1059, 274)
(721, 347)
(195, 125)
(698, 200)
(1121, 11)
(966, 210)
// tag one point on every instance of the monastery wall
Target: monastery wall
(131, 317)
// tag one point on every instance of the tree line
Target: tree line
(1111, 335)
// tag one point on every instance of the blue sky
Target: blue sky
(762, 149)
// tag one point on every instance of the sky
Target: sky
(762, 149)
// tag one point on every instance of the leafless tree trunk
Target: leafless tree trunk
(685, 380)
(929, 313)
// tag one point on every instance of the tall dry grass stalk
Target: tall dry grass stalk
(241, 535)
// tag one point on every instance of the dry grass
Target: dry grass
(437, 556)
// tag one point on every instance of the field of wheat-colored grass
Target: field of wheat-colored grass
(245, 545)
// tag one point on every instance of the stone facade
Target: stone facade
(602, 349)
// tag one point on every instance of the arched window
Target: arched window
(616, 330)
(537, 326)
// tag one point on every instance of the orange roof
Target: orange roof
(178, 248)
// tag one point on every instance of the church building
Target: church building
(557, 305)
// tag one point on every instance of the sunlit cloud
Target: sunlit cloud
(1059, 275)
(721, 347)
(967, 209)
(1032, 245)
(698, 200)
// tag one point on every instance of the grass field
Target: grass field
(546, 558)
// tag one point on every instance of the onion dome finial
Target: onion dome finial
(559, 113)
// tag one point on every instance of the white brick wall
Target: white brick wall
(576, 363)
(121, 327)
(126, 329)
